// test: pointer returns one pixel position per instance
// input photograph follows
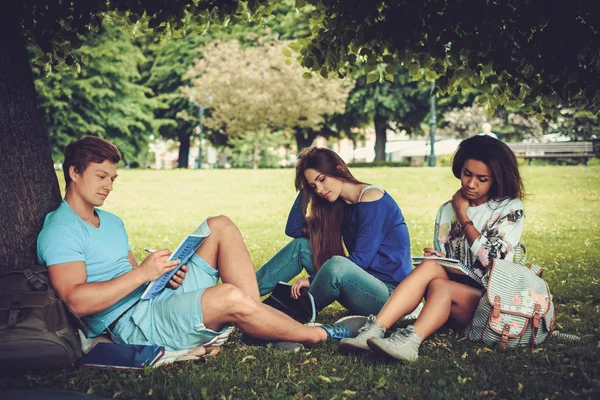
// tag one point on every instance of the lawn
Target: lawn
(561, 233)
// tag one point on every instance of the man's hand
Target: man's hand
(178, 278)
(299, 284)
(157, 264)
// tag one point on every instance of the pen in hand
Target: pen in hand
(149, 250)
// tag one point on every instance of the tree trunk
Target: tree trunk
(304, 138)
(184, 150)
(380, 136)
(29, 183)
(256, 152)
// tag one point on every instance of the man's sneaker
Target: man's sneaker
(276, 344)
(402, 345)
(353, 322)
(336, 332)
(370, 329)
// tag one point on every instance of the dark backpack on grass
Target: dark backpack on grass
(37, 330)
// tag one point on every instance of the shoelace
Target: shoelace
(399, 335)
(370, 322)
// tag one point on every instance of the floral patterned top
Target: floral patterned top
(500, 224)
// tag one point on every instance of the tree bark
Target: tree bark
(184, 150)
(381, 125)
(29, 184)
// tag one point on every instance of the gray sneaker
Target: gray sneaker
(370, 329)
(402, 345)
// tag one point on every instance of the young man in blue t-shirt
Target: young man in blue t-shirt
(93, 270)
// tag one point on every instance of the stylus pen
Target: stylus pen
(149, 250)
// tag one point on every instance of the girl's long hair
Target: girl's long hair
(324, 219)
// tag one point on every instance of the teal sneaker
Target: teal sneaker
(336, 332)
(370, 329)
(353, 322)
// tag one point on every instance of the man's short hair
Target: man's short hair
(90, 149)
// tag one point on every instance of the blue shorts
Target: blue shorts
(172, 319)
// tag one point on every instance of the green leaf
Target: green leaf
(307, 75)
(372, 77)
(286, 52)
(370, 67)
(413, 69)
(431, 75)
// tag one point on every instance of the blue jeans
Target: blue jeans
(337, 279)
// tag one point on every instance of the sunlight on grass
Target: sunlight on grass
(561, 234)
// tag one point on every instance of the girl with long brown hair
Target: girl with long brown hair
(349, 236)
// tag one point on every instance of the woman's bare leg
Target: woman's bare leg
(409, 292)
(446, 299)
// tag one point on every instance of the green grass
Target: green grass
(561, 234)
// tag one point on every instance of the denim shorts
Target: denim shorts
(174, 318)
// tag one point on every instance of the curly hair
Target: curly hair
(506, 179)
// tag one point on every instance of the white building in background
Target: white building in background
(417, 151)
(399, 147)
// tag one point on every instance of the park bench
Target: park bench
(577, 150)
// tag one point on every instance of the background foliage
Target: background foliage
(515, 58)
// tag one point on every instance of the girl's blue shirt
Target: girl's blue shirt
(374, 233)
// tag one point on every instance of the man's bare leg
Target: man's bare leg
(225, 251)
(226, 303)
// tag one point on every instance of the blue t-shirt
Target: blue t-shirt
(375, 235)
(65, 237)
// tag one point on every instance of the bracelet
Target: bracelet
(464, 226)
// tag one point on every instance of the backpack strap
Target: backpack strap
(15, 308)
(504, 339)
(535, 323)
(33, 280)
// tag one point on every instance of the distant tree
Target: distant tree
(400, 104)
(104, 99)
(578, 124)
(509, 125)
(172, 58)
(253, 90)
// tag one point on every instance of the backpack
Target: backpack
(516, 308)
(37, 330)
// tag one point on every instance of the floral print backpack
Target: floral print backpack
(516, 308)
